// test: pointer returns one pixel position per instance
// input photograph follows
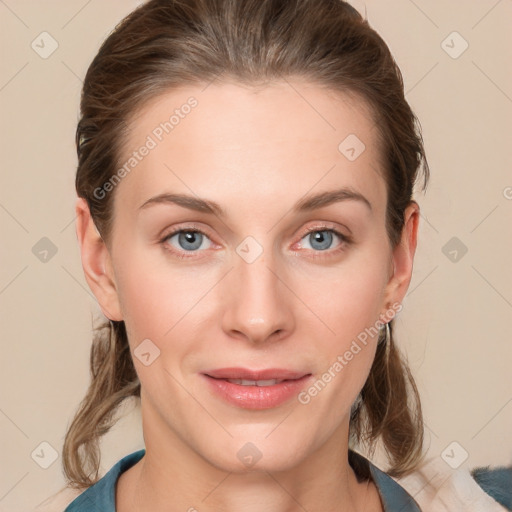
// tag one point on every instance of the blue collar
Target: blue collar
(393, 496)
(101, 495)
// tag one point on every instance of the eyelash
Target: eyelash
(345, 240)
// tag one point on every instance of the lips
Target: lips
(278, 374)
(256, 389)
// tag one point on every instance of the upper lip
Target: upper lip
(247, 374)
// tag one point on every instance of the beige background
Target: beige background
(455, 325)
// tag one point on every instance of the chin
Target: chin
(244, 454)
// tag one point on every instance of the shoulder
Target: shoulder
(99, 496)
(437, 487)
(59, 501)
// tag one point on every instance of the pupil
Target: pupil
(323, 238)
(190, 240)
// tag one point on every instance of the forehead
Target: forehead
(280, 139)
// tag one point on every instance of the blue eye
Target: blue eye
(186, 243)
(188, 240)
(322, 239)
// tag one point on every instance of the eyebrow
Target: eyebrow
(308, 203)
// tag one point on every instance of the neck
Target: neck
(173, 477)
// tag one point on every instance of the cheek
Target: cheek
(159, 299)
(349, 305)
(348, 298)
(146, 307)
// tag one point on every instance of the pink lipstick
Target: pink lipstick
(256, 389)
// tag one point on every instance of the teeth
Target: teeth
(243, 382)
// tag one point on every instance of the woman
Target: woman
(246, 222)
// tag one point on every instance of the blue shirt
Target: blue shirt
(101, 496)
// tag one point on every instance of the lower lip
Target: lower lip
(257, 397)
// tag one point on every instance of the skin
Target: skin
(256, 152)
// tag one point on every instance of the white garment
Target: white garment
(438, 488)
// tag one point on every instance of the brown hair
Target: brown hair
(165, 44)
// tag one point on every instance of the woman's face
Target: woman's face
(252, 171)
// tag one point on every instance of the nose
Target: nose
(258, 305)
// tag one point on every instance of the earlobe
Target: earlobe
(403, 256)
(96, 262)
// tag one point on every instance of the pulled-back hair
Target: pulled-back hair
(165, 44)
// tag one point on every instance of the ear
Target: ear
(403, 256)
(96, 262)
